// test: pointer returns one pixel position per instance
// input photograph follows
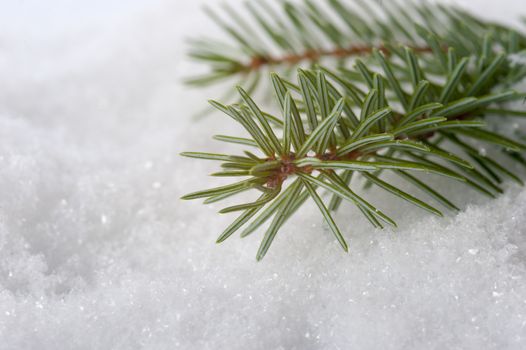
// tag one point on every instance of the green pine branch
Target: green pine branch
(400, 110)
(279, 36)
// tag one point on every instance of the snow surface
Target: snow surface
(98, 252)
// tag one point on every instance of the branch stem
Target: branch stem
(315, 55)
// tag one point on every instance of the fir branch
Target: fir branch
(391, 112)
(290, 34)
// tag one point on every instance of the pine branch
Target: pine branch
(283, 37)
(399, 110)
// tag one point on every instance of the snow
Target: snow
(98, 252)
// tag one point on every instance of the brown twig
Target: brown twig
(315, 55)
(288, 167)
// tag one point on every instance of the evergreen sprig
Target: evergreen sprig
(400, 109)
(278, 36)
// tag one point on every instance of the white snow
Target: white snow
(98, 252)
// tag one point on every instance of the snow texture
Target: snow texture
(98, 252)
